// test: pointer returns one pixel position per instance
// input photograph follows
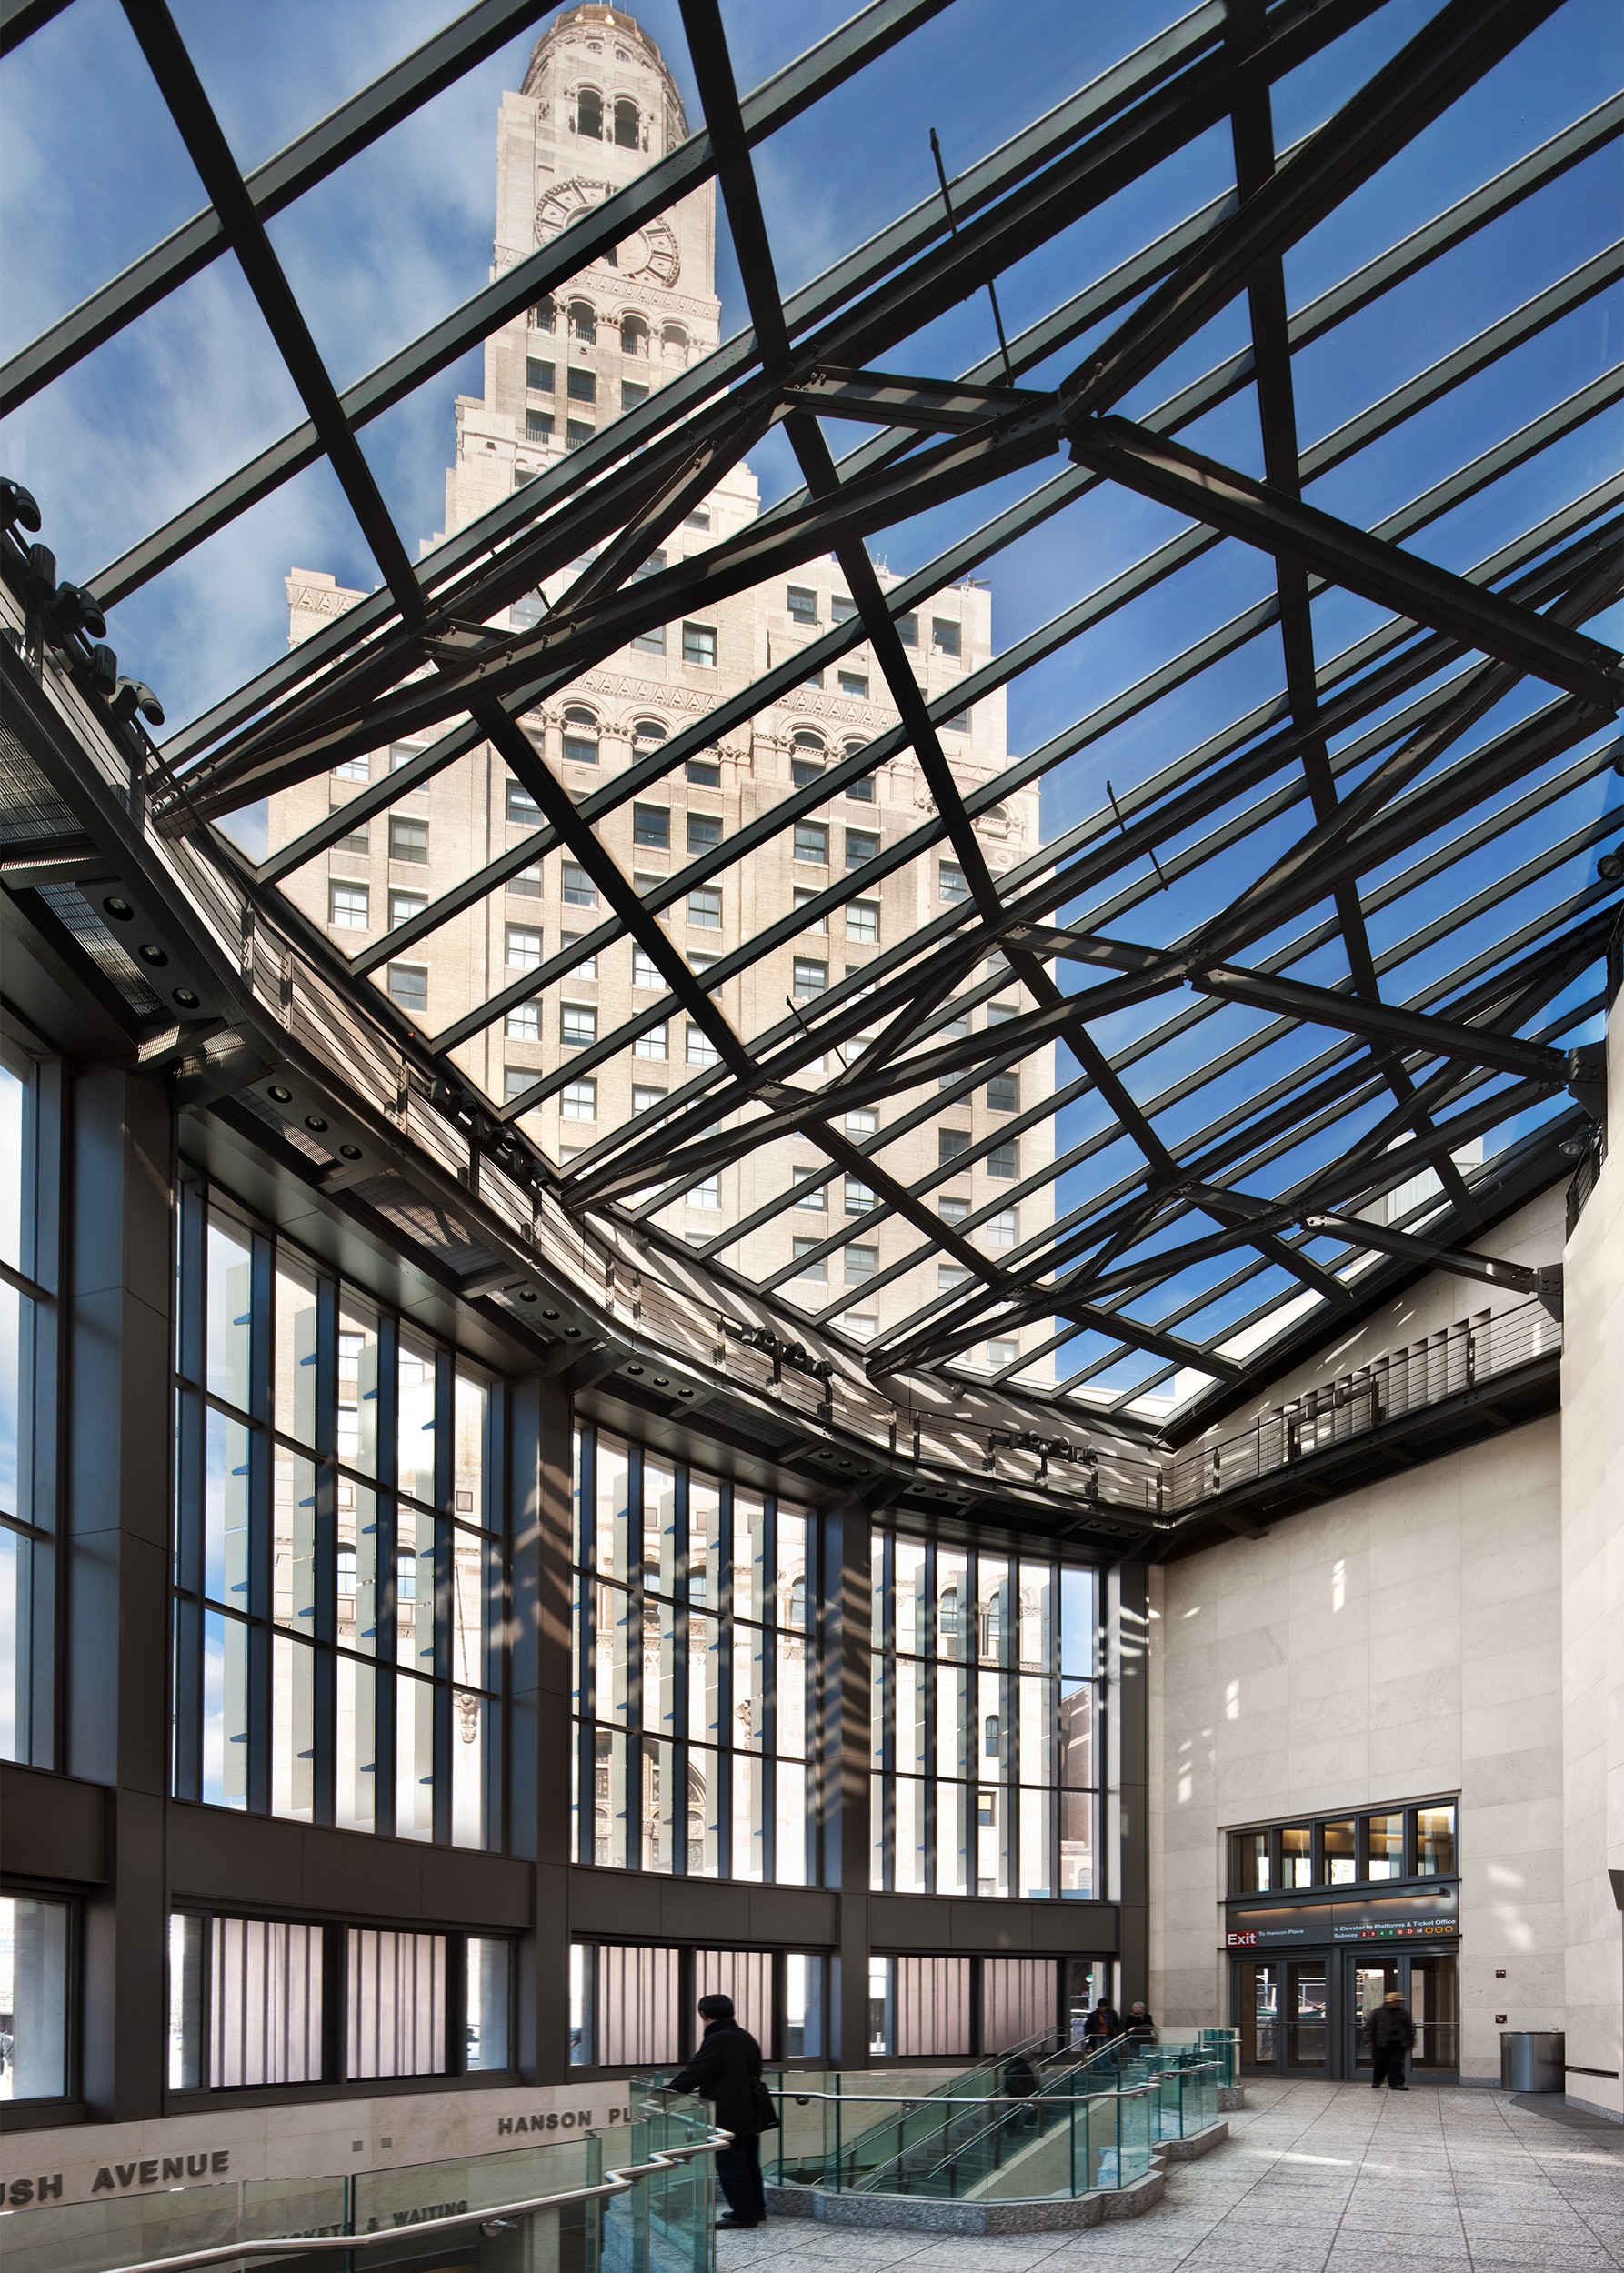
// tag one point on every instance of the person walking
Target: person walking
(1021, 2082)
(1103, 2023)
(1140, 2020)
(1392, 2033)
(726, 2069)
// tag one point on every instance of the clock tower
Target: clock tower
(597, 106)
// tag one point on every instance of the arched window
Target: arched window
(860, 791)
(580, 736)
(627, 125)
(541, 314)
(647, 733)
(583, 323)
(989, 1736)
(807, 739)
(589, 114)
(997, 815)
(633, 335)
(673, 341)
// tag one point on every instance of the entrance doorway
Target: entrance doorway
(1428, 1982)
(1283, 2012)
(1307, 2015)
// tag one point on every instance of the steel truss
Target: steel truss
(1190, 1206)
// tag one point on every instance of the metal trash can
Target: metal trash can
(1531, 2059)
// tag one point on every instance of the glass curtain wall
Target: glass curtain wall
(29, 1190)
(983, 1715)
(692, 1670)
(337, 1557)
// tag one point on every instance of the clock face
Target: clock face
(648, 255)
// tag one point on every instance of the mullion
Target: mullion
(681, 1626)
(585, 1643)
(638, 1767)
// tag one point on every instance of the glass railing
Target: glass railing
(1086, 2127)
(554, 2206)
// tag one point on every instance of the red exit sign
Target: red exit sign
(1241, 1941)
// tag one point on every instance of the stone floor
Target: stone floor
(1319, 2178)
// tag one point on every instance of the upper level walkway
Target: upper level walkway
(1319, 2178)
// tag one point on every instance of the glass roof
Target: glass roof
(974, 674)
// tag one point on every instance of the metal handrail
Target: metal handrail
(613, 2182)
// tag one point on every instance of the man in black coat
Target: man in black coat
(726, 2071)
(1392, 2033)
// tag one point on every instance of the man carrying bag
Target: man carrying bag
(726, 2071)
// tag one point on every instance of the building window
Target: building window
(1003, 1092)
(643, 970)
(862, 845)
(587, 965)
(950, 1143)
(812, 843)
(523, 811)
(522, 949)
(408, 985)
(804, 1251)
(855, 683)
(525, 883)
(580, 1100)
(691, 1561)
(960, 723)
(582, 384)
(805, 771)
(652, 1043)
(652, 642)
(633, 335)
(804, 897)
(577, 431)
(983, 1723)
(704, 833)
(951, 886)
(517, 1080)
(861, 791)
(907, 630)
(943, 636)
(810, 978)
(674, 344)
(1002, 1354)
(698, 519)
(950, 1277)
(651, 827)
(347, 906)
(589, 114)
(408, 840)
(842, 609)
(1002, 1229)
(810, 1194)
(577, 887)
(35, 1939)
(538, 425)
(698, 1049)
(631, 393)
(583, 323)
(522, 1022)
(862, 1120)
(541, 316)
(704, 773)
(802, 604)
(356, 845)
(628, 129)
(578, 1024)
(1004, 1160)
(862, 920)
(379, 1714)
(704, 908)
(952, 1209)
(539, 376)
(861, 1324)
(699, 644)
(645, 1097)
(859, 1199)
(861, 1262)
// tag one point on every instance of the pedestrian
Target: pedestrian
(1140, 2020)
(1103, 2023)
(1020, 2082)
(726, 2069)
(1391, 2032)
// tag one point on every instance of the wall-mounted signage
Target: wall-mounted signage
(1429, 1914)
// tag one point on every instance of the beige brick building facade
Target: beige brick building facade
(598, 106)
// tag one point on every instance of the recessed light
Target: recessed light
(528, 1294)
(185, 998)
(279, 1095)
(574, 1332)
(633, 1370)
(349, 1152)
(549, 1314)
(120, 910)
(151, 954)
(314, 1123)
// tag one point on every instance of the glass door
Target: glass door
(1372, 1979)
(1308, 2014)
(1257, 2014)
(1428, 1982)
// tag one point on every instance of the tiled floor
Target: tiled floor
(1317, 2178)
